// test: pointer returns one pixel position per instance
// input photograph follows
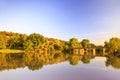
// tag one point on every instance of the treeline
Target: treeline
(35, 41)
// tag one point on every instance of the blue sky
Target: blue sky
(97, 20)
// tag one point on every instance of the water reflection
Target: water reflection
(113, 61)
(35, 61)
(75, 59)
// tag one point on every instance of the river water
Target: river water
(99, 68)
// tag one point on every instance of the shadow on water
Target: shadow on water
(35, 61)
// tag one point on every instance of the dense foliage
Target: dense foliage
(113, 46)
(35, 41)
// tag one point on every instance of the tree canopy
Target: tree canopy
(113, 45)
(36, 41)
(85, 43)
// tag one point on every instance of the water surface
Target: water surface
(17, 67)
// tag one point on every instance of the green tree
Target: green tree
(66, 47)
(16, 43)
(28, 45)
(85, 43)
(58, 45)
(113, 45)
(73, 43)
(107, 46)
(36, 40)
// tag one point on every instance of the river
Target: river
(98, 68)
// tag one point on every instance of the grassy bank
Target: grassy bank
(10, 51)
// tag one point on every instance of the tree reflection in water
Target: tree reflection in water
(113, 61)
(35, 61)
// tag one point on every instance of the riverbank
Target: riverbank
(10, 51)
(28, 51)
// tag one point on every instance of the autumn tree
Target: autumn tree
(2, 42)
(34, 41)
(66, 47)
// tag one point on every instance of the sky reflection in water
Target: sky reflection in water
(96, 70)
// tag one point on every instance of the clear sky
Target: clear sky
(97, 20)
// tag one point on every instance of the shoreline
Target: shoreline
(10, 51)
(21, 51)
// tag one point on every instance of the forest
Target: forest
(37, 42)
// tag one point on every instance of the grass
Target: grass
(10, 51)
